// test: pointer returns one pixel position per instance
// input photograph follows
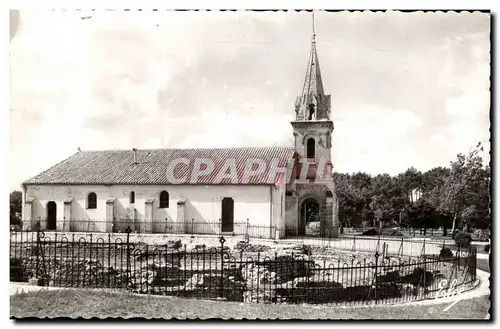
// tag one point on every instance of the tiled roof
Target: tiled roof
(152, 167)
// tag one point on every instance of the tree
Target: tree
(449, 196)
(353, 193)
(465, 192)
(423, 215)
(434, 178)
(409, 181)
(15, 207)
(387, 200)
(433, 182)
(445, 221)
(343, 189)
(362, 194)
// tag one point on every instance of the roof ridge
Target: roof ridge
(191, 148)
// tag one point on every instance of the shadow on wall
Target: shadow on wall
(40, 215)
(162, 218)
(83, 222)
(124, 217)
(196, 223)
(39, 212)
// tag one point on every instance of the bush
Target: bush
(462, 239)
(397, 233)
(306, 249)
(486, 235)
(487, 248)
(371, 231)
(445, 253)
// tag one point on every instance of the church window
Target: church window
(164, 199)
(91, 201)
(311, 148)
(311, 111)
(132, 197)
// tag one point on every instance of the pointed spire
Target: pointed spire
(313, 96)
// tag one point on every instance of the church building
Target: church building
(267, 192)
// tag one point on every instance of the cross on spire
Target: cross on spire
(314, 32)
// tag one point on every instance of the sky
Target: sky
(407, 89)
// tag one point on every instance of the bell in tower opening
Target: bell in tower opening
(311, 111)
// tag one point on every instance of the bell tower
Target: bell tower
(313, 193)
(313, 127)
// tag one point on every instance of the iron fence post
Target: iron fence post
(220, 226)
(402, 246)
(109, 257)
(474, 260)
(423, 251)
(425, 274)
(37, 252)
(192, 228)
(247, 236)
(376, 276)
(292, 283)
(308, 294)
(128, 230)
(221, 284)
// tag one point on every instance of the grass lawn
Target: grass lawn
(88, 303)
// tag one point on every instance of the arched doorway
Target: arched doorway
(51, 215)
(309, 213)
(227, 215)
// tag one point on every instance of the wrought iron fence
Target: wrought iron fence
(393, 244)
(166, 226)
(406, 231)
(241, 272)
(199, 227)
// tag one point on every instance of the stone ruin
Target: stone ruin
(248, 273)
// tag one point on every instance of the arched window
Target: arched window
(311, 148)
(132, 197)
(91, 201)
(311, 111)
(164, 199)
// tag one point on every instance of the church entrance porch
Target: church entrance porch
(309, 220)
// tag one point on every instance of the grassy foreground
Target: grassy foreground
(87, 304)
